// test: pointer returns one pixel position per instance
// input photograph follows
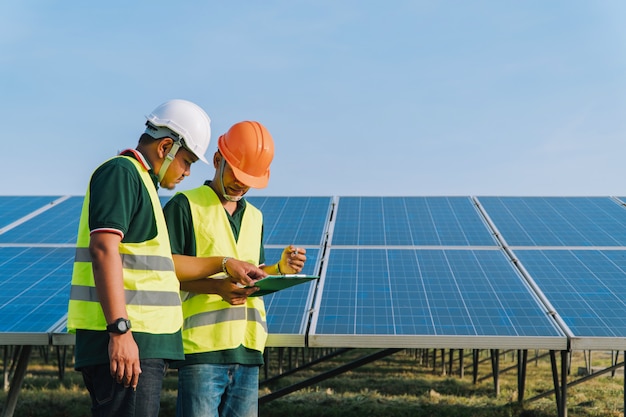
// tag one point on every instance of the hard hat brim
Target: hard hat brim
(201, 158)
(249, 180)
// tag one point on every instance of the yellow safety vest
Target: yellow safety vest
(211, 324)
(150, 283)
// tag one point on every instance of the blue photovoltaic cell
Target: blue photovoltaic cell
(287, 310)
(57, 225)
(586, 287)
(427, 292)
(14, 208)
(557, 221)
(34, 287)
(410, 221)
(297, 220)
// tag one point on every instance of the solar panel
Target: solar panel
(57, 225)
(14, 208)
(419, 298)
(287, 220)
(586, 288)
(34, 292)
(410, 221)
(558, 221)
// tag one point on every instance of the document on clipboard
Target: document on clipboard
(273, 283)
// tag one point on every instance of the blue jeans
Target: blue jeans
(110, 399)
(212, 390)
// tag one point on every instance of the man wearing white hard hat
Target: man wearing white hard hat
(124, 303)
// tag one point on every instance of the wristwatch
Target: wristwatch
(119, 326)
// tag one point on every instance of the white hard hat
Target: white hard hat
(187, 120)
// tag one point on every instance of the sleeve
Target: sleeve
(113, 191)
(180, 225)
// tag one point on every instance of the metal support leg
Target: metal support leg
(443, 361)
(281, 354)
(522, 360)
(564, 363)
(475, 367)
(495, 369)
(61, 360)
(560, 385)
(16, 382)
(5, 368)
(555, 379)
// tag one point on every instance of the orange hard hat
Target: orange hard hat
(249, 149)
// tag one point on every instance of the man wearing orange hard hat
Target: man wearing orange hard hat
(225, 331)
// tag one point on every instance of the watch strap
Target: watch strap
(115, 326)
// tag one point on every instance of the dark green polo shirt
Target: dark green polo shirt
(183, 242)
(120, 201)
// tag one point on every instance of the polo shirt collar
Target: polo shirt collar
(139, 157)
(134, 153)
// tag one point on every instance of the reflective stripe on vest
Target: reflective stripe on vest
(225, 315)
(140, 262)
(212, 324)
(147, 298)
(150, 283)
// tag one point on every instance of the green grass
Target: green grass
(398, 385)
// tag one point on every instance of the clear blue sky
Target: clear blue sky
(448, 97)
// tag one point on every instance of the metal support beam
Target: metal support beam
(579, 381)
(305, 366)
(329, 374)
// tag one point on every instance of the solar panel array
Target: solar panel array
(422, 272)
(36, 260)
(574, 250)
(453, 272)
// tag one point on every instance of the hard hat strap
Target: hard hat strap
(233, 198)
(168, 159)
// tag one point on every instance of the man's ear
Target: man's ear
(163, 147)
(216, 159)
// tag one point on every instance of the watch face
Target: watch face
(122, 326)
